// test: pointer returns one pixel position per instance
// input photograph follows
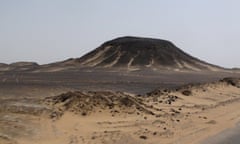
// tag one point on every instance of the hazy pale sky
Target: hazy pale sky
(53, 30)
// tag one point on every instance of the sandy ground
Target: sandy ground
(186, 115)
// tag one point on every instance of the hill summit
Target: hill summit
(136, 52)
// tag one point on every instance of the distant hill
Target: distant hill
(19, 66)
(125, 53)
(136, 52)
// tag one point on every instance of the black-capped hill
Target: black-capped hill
(136, 52)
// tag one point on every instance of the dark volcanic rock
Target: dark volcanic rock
(186, 92)
(138, 52)
(231, 81)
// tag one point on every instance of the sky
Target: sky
(46, 31)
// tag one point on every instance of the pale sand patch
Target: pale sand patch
(168, 117)
(114, 62)
(189, 66)
(92, 61)
(151, 63)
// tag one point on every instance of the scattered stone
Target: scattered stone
(211, 122)
(84, 113)
(143, 137)
(93, 137)
(187, 92)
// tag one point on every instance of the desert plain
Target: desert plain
(113, 107)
